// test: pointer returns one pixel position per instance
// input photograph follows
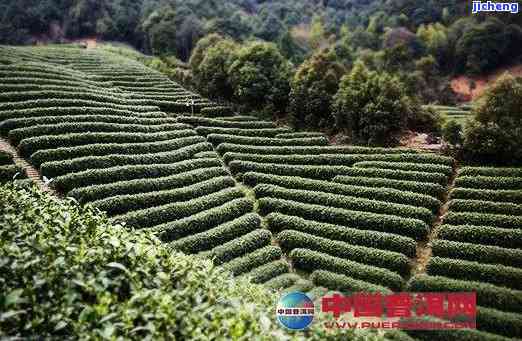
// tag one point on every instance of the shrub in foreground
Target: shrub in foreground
(109, 291)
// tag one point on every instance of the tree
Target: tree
(290, 49)
(482, 47)
(313, 87)
(435, 38)
(371, 108)
(201, 47)
(270, 29)
(317, 32)
(495, 133)
(188, 32)
(260, 77)
(452, 133)
(236, 26)
(211, 76)
(160, 27)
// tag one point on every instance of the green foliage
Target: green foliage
(398, 175)
(346, 202)
(311, 260)
(17, 123)
(283, 281)
(198, 54)
(59, 168)
(452, 133)
(312, 172)
(132, 202)
(267, 272)
(410, 166)
(386, 161)
(499, 322)
(221, 123)
(204, 220)
(289, 240)
(363, 220)
(338, 187)
(143, 185)
(312, 89)
(260, 77)
(153, 216)
(371, 239)
(31, 145)
(483, 46)
(299, 135)
(218, 235)
(253, 259)
(99, 96)
(495, 134)
(486, 235)
(435, 37)
(56, 107)
(90, 177)
(488, 295)
(486, 182)
(19, 134)
(488, 195)
(300, 150)
(217, 139)
(128, 285)
(434, 190)
(483, 219)
(211, 75)
(478, 253)
(10, 172)
(160, 28)
(216, 111)
(490, 171)
(371, 108)
(505, 276)
(241, 246)
(425, 120)
(5, 158)
(343, 283)
(264, 132)
(480, 206)
(101, 149)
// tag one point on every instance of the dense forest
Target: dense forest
(441, 29)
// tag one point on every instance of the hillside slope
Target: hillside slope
(283, 208)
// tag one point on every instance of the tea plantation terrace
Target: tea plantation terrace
(283, 208)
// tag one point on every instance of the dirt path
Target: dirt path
(424, 247)
(32, 173)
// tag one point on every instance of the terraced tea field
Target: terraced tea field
(114, 145)
(284, 208)
(458, 113)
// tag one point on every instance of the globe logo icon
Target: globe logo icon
(295, 311)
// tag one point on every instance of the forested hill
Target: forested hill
(461, 42)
